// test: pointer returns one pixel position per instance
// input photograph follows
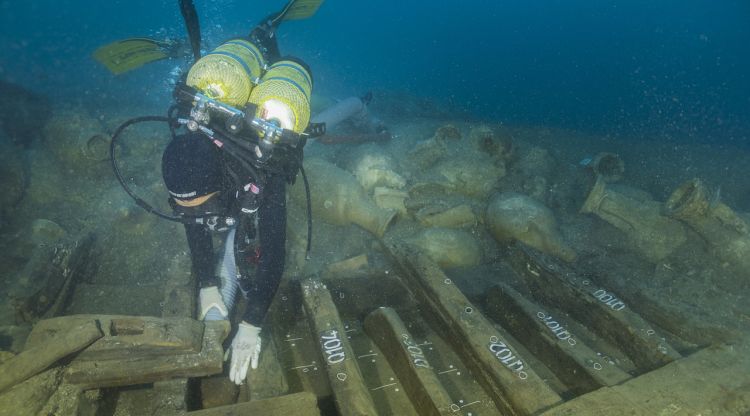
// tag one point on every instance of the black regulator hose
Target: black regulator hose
(140, 202)
(309, 211)
(112, 147)
(234, 149)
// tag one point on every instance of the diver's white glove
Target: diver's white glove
(245, 351)
(211, 298)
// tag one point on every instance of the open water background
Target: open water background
(652, 69)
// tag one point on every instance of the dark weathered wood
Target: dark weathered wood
(128, 336)
(180, 294)
(408, 362)
(160, 398)
(689, 331)
(513, 385)
(74, 270)
(47, 278)
(127, 326)
(269, 379)
(366, 290)
(34, 360)
(297, 345)
(386, 390)
(349, 389)
(141, 369)
(547, 337)
(297, 404)
(712, 381)
(452, 372)
(217, 391)
(597, 308)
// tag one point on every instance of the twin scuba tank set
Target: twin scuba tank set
(233, 89)
(247, 108)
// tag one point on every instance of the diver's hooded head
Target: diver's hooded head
(191, 167)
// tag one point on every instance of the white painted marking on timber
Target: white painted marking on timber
(384, 386)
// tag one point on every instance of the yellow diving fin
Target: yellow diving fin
(300, 9)
(128, 54)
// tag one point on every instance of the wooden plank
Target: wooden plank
(408, 362)
(127, 336)
(386, 390)
(598, 308)
(513, 385)
(690, 331)
(140, 369)
(34, 360)
(349, 389)
(74, 267)
(712, 381)
(269, 379)
(452, 372)
(217, 391)
(549, 339)
(163, 398)
(297, 346)
(298, 404)
(366, 290)
(180, 294)
(46, 279)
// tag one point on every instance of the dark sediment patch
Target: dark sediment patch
(22, 113)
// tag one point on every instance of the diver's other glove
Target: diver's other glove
(245, 351)
(211, 298)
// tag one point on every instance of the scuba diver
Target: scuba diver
(239, 125)
(235, 165)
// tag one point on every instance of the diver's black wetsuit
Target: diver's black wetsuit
(261, 270)
(259, 253)
(260, 266)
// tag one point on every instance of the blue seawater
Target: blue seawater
(617, 67)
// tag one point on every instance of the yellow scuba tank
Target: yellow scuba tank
(283, 95)
(229, 72)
